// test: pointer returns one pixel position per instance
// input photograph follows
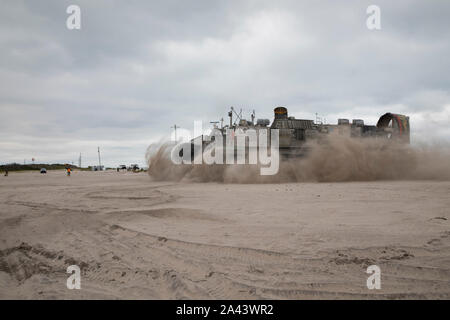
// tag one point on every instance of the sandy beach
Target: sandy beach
(138, 239)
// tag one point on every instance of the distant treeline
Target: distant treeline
(36, 166)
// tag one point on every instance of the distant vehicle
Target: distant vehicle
(43, 170)
(134, 167)
(123, 167)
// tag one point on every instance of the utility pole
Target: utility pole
(175, 127)
(99, 161)
(79, 161)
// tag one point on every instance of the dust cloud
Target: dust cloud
(333, 159)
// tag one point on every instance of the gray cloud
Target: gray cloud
(136, 68)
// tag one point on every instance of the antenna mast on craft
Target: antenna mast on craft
(175, 127)
(238, 115)
(319, 120)
(214, 123)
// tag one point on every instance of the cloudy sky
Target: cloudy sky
(136, 68)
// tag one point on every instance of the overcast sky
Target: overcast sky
(137, 67)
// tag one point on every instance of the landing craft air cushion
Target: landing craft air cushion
(295, 133)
